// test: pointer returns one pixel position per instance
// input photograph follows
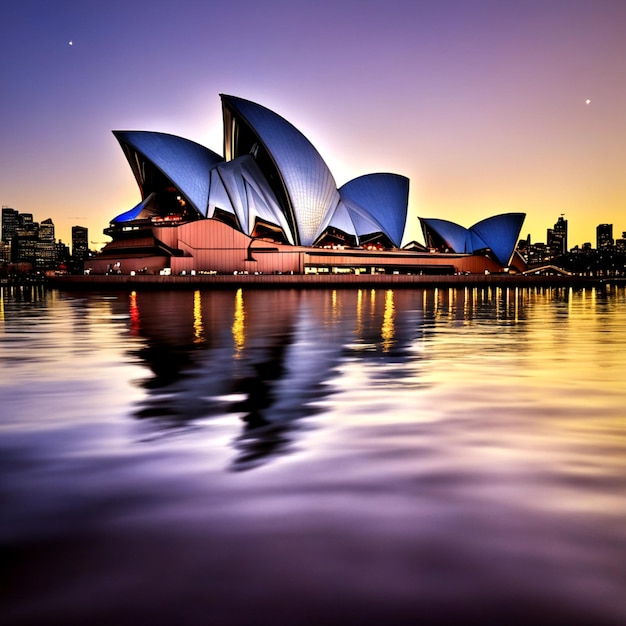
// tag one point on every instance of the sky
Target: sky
(482, 104)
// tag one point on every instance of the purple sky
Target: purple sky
(482, 104)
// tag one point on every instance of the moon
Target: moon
(587, 101)
(71, 43)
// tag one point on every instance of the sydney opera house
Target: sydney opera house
(271, 205)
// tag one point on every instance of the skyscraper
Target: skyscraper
(10, 222)
(62, 255)
(80, 243)
(604, 236)
(46, 250)
(24, 242)
(557, 238)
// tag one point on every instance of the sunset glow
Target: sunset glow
(485, 106)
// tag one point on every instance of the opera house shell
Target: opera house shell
(271, 204)
(499, 234)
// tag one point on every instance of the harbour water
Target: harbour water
(357, 456)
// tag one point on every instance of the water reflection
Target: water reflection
(268, 357)
(239, 324)
(260, 359)
(417, 456)
(274, 357)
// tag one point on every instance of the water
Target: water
(307, 457)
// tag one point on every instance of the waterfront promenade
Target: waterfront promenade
(294, 281)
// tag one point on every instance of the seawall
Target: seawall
(298, 281)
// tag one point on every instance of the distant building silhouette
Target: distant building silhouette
(46, 250)
(604, 236)
(24, 242)
(80, 243)
(62, 253)
(5, 252)
(10, 222)
(557, 238)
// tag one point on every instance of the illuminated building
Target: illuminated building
(604, 236)
(271, 205)
(80, 243)
(46, 257)
(24, 242)
(10, 222)
(497, 235)
(557, 238)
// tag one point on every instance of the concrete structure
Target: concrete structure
(271, 205)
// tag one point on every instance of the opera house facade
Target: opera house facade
(271, 205)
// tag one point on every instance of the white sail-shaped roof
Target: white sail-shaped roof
(310, 189)
(242, 182)
(383, 198)
(185, 163)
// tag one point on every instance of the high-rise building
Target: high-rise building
(604, 236)
(80, 243)
(5, 252)
(46, 249)
(557, 238)
(62, 255)
(10, 222)
(24, 242)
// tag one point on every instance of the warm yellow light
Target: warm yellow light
(238, 327)
(388, 328)
(198, 328)
(359, 312)
(134, 313)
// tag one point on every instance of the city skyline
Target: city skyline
(617, 233)
(485, 107)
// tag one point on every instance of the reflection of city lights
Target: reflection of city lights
(238, 328)
(359, 311)
(387, 330)
(1, 305)
(198, 328)
(134, 314)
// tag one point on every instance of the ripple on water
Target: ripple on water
(352, 456)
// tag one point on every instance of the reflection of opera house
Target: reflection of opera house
(271, 205)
